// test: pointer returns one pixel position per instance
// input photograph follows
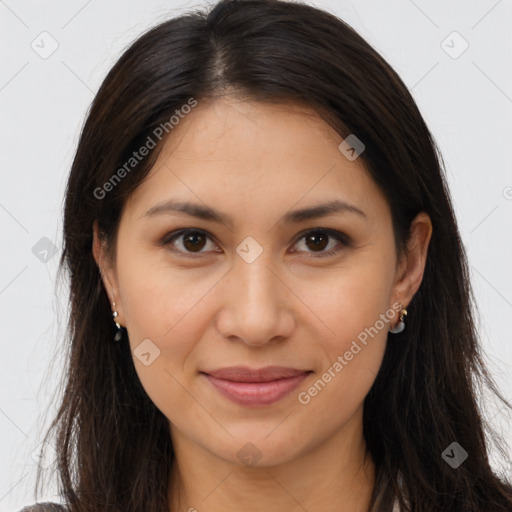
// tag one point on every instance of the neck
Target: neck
(333, 476)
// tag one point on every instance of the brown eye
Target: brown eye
(188, 241)
(194, 241)
(316, 241)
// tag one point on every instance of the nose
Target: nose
(256, 305)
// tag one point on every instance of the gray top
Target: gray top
(44, 507)
(54, 507)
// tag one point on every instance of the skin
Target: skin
(291, 306)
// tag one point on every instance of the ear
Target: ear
(107, 271)
(412, 266)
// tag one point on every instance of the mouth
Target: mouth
(255, 387)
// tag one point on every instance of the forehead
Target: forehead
(234, 129)
(254, 155)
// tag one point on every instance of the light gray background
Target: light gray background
(466, 101)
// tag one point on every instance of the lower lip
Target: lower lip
(256, 393)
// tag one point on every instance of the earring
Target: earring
(119, 332)
(400, 326)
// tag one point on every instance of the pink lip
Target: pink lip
(256, 387)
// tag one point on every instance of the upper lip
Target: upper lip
(246, 374)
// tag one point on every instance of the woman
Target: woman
(270, 305)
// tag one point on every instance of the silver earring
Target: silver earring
(400, 326)
(119, 332)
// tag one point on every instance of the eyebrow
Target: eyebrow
(295, 216)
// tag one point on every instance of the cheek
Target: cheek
(351, 303)
(355, 305)
(352, 356)
(158, 297)
(166, 306)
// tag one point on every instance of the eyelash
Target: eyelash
(344, 240)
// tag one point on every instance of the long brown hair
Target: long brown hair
(114, 446)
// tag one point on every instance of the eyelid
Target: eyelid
(170, 237)
(341, 237)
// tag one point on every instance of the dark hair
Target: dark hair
(113, 444)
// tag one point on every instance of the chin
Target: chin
(255, 448)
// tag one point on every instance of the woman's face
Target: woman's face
(315, 292)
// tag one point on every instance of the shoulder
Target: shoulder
(44, 507)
